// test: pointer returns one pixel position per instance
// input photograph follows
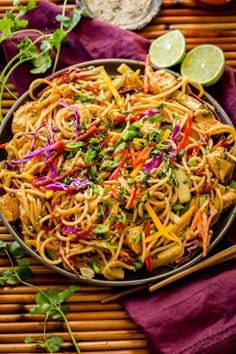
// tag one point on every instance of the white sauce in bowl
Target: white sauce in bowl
(119, 12)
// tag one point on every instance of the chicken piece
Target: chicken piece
(114, 271)
(161, 81)
(22, 210)
(203, 120)
(149, 127)
(131, 239)
(229, 198)
(131, 80)
(188, 101)
(30, 111)
(219, 166)
(9, 206)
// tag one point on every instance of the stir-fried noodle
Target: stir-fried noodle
(113, 173)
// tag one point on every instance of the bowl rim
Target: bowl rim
(105, 282)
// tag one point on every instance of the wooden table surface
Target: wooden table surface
(102, 328)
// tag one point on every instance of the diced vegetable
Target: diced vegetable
(167, 256)
(100, 229)
(183, 188)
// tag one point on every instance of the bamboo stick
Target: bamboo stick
(125, 351)
(6, 95)
(224, 46)
(200, 40)
(73, 307)
(29, 298)
(204, 26)
(30, 290)
(167, 3)
(193, 12)
(98, 345)
(83, 316)
(81, 336)
(225, 19)
(231, 63)
(59, 325)
(5, 237)
(4, 261)
(35, 269)
(8, 103)
(190, 33)
(3, 229)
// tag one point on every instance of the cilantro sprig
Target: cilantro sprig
(39, 51)
(48, 302)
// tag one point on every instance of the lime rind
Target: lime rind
(204, 63)
(168, 50)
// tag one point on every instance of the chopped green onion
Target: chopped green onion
(192, 163)
(233, 185)
(178, 207)
(100, 229)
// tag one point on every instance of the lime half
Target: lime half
(204, 63)
(168, 49)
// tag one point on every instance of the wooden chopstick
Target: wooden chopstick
(216, 259)
(227, 254)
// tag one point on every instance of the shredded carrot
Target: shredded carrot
(194, 224)
(203, 227)
(143, 155)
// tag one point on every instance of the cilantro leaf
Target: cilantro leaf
(3, 246)
(41, 309)
(24, 9)
(66, 294)
(57, 37)
(54, 343)
(41, 64)
(16, 250)
(8, 277)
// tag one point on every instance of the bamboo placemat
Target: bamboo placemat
(101, 328)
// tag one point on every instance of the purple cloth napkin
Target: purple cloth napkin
(196, 315)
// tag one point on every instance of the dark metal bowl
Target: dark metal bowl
(142, 276)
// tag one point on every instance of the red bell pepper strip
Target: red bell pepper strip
(132, 197)
(118, 168)
(92, 130)
(148, 259)
(121, 118)
(2, 146)
(183, 143)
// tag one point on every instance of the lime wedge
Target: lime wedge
(204, 63)
(168, 49)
